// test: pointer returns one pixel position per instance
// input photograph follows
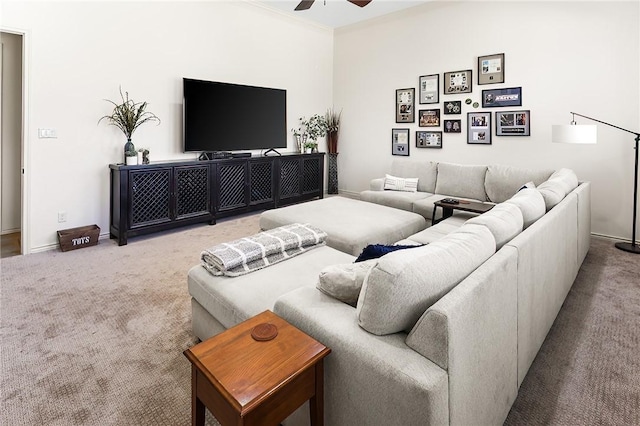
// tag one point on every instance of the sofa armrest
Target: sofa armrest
(472, 332)
(369, 379)
(377, 184)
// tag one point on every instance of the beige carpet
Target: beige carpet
(95, 336)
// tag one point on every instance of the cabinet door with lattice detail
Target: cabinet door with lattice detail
(312, 175)
(231, 186)
(289, 178)
(150, 195)
(193, 192)
(261, 182)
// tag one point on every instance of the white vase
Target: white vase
(132, 161)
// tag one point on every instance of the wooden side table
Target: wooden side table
(243, 381)
(463, 205)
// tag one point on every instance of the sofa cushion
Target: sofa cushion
(504, 221)
(344, 281)
(395, 183)
(425, 171)
(459, 180)
(566, 178)
(501, 182)
(350, 224)
(405, 283)
(531, 205)
(231, 300)
(440, 229)
(396, 199)
(553, 191)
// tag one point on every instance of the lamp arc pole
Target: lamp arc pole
(628, 247)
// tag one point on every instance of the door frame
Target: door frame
(25, 181)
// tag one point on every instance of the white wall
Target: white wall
(11, 131)
(80, 52)
(573, 56)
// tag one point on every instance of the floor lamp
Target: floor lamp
(574, 133)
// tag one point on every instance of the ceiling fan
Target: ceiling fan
(306, 4)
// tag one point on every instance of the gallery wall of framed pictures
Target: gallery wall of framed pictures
(454, 98)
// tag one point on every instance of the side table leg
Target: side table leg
(316, 404)
(197, 407)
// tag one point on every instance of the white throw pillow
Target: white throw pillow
(395, 183)
(344, 281)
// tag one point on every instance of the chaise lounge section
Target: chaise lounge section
(441, 334)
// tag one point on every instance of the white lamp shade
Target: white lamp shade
(574, 133)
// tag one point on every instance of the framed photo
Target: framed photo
(513, 123)
(491, 69)
(400, 142)
(427, 139)
(405, 112)
(502, 97)
(457, 82)
(429, 89)
(453, 107)
(429, 118)
(479, 128)
(453, 126)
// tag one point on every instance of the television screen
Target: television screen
(230, 117)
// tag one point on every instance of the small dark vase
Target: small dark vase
(129, 146)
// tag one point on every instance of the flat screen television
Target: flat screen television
(231, 117)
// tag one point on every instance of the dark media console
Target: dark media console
(160, 196)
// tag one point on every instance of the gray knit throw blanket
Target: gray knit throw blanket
(258, 251)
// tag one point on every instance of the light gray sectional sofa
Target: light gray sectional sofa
(442, 333)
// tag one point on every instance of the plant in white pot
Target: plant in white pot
(128, 116)
(315, 127)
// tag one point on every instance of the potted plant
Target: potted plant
(333, 126)
(310, 130)
(128, 116)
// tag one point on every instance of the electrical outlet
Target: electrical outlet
(62, 217)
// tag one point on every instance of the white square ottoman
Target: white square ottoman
(350, 224)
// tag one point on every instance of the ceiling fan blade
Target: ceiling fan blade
(361, 3)
(304, 5)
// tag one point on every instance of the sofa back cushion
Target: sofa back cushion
(504, 221)
(460, 180)
(425, 171)
(405, 283)
(531, 205)
(559, 184)
(501, 182)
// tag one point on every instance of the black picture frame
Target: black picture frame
(405, 102)
(452, 108)
(456, 82)
(498, 98)
(428, 139)
(479, 128)
(400, 142)
(429, 117)
(513, 123)
(429, 89)
(452, 126)
(491, 69)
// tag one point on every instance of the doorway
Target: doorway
(11, 143)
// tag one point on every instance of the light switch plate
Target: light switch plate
(47, 133)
